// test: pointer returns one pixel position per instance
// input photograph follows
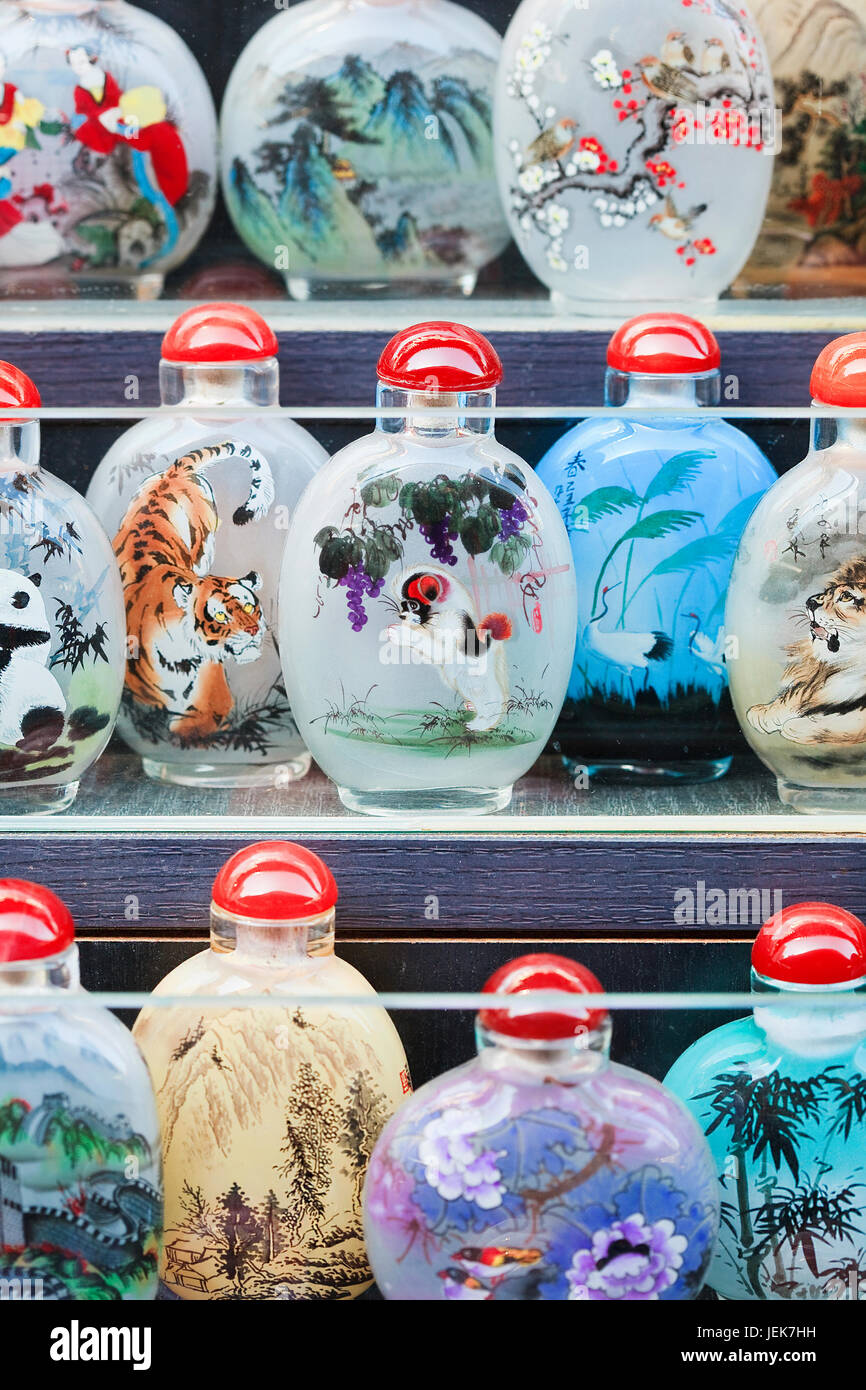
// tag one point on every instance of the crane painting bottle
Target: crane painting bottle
(654, 506)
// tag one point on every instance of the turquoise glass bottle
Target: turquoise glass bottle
(781, 1097)
(654, 505)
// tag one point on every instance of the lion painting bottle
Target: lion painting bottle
(796, 606)
(428, 608)
(269, 1112)
(80, 1182)
(540, 1169)
(61, 621)
(781, 1097)
(107, 148)
(357, 147)
(199, 512)
(654, 506)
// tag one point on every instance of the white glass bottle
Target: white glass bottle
(199, 511)
(107, 148)
(428, 607)
(61, 621)
(357, 147)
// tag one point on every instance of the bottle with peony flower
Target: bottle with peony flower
(634, 149)
(781, 1097)
(107, 149)
(541, 1169)
(80, 1180)
(269, 1111)
(199, 510)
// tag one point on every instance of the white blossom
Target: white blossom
(531, 179)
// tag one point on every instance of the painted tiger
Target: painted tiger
(183, 623)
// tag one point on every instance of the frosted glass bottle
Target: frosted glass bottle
(634, 147)
(61, 621)
(269, 1113)
(541, 1169)
(654, 506)
(780, 1096)
(795, 605)
(357, 153)
(80, 1181)
(107, 148)
(199, 511)
(427, 615)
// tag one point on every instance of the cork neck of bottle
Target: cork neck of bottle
(846, 430)
(19, 446)
(437, 416)
(545, 1059)
(666, 390)
(50, 974)
(807, 1029)
(220, 383)
(264, 942)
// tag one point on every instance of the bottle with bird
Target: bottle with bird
(780, 1095)
(540, 1169)
(610, 132)
(654, 504)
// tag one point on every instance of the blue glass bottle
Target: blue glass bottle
(654, 508)
(781, 1097)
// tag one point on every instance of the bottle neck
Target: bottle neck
(220, 383)
(53, 973)
(844, 429)
(642, 389)
(563, 1060)
(811, 1031)
(274, 944)
(435, 415)
(19, 446)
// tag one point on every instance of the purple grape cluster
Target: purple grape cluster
(358, 585)
(511, 521)
(439, 537)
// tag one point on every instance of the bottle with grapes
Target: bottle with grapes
(427, 599)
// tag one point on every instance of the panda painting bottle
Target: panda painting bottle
(428, 612)
(62, 635)
(199, 510)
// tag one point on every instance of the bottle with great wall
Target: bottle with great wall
(427, 600)
(62, 633)
(357, 148)
(199, 510)
(269, 1111)
(796, 609)
(107, 149)
(634, 147)
(80, 1181)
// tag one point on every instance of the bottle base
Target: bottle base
(458, 286)
(54, 281)
(647, 774)
(839, 801)
(35, 800)
(477, 801)
(229, 775)
(624, 308)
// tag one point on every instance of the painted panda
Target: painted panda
(32, 705)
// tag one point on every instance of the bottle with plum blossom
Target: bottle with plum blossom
(427, 603)
(540, 1169)
(654, 504)
(634, 152)
(781, 1096)
(269, 1110)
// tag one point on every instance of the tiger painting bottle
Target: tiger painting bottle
(199, 512)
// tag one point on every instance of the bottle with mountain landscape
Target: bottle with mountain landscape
(357, 147)
(654, 504)
(269, 1112)
(80, 1180)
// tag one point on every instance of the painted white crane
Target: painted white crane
(705, 649)
(628, 650)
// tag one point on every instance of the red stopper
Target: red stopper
(221, 332)
(33, 922)
(548, 972)
(440, 357)
(811, 944)
(839, 375)
(16, 388)
(662, 344)
(275, 881)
